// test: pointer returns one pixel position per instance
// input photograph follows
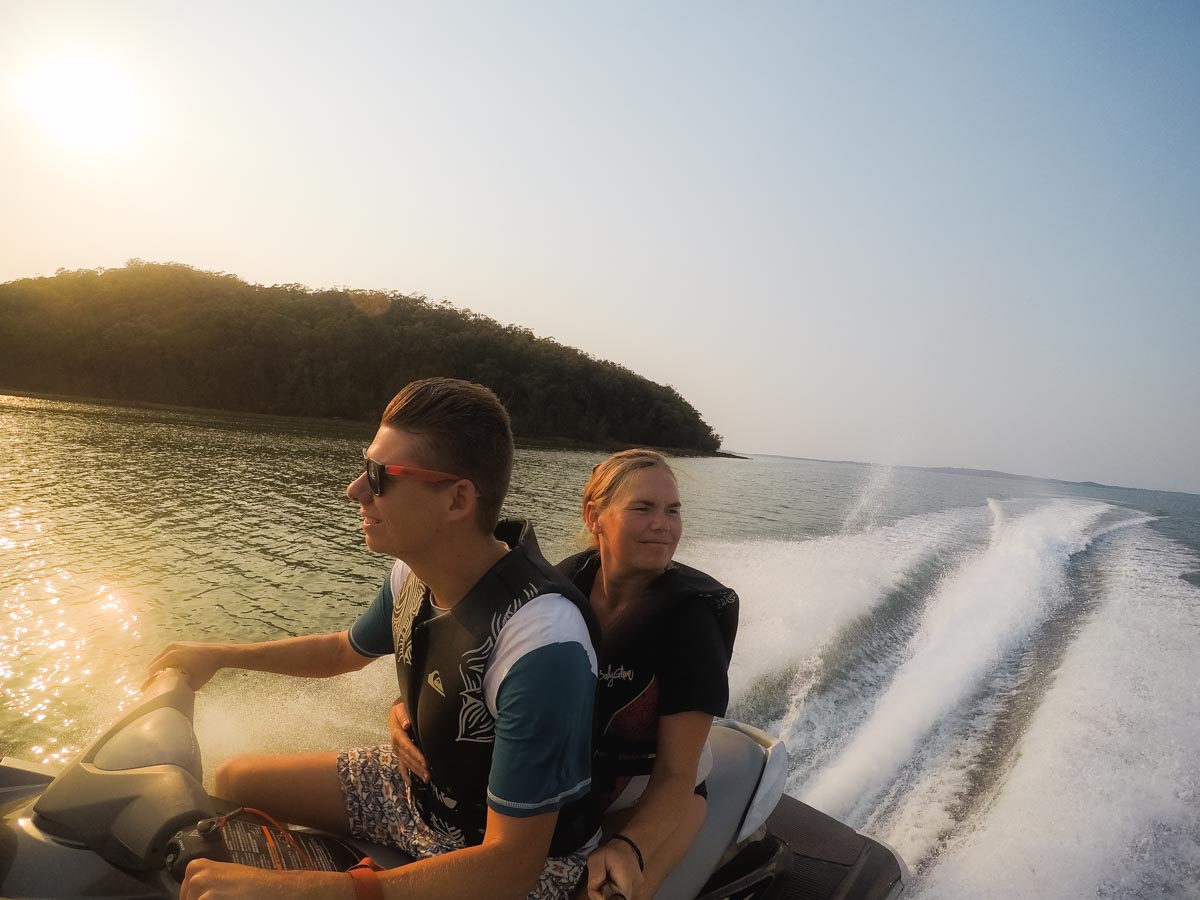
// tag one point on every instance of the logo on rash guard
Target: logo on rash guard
(435, 682)
(610, 675)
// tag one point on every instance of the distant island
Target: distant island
(981, 473)
(991, 473)
(168, 333)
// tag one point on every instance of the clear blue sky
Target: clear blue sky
(928, 233)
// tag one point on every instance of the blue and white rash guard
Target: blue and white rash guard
(539, 683)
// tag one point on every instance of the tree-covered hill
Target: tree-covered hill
(168, 333)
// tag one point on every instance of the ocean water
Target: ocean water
(998, 677)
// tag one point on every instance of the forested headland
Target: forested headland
(168, 333)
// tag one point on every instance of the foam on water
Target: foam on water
(989, 605)
(253, 712)
(871, 499)
(1104, 797)
(796, 596)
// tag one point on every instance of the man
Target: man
(496, 670)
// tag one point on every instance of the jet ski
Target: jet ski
(125, 818)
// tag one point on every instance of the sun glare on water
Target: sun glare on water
(82, 103)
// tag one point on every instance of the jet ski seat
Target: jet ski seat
(738, 763)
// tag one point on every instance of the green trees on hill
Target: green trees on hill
(167, 333)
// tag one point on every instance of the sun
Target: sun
(83, 104)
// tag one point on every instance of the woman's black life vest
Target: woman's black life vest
(635, 632)
(440, 662)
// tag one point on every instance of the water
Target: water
(998, 677)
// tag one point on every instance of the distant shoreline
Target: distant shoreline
(983, 473)
(581, 446)
(521, 442)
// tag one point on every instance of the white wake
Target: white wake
(1104, 799)
(989, 605)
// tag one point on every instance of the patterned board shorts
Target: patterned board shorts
(380, 810)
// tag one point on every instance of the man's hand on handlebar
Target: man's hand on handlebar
(199, 662)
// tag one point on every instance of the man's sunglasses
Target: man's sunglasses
(376, 472)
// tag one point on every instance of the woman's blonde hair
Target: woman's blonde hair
(610, 477)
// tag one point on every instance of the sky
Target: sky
(960, 234)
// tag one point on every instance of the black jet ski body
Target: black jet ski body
(112, 824)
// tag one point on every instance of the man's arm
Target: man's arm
(505, 865)
(311, 656)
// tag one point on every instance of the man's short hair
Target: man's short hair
(464, 429)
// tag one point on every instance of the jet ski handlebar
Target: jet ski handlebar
(137, 783)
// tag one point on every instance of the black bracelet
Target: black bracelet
(636, 852)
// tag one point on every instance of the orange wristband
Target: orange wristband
(366, 883)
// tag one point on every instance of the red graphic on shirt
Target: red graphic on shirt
(636, 721)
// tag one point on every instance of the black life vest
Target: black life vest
(677, 585)
(440, 662)
(616, 753)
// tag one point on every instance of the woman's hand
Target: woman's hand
(613, 869)
(198, 661)
(411, 759)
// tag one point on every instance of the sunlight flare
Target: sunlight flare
(81, 103)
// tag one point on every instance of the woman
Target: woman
(667, 635)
